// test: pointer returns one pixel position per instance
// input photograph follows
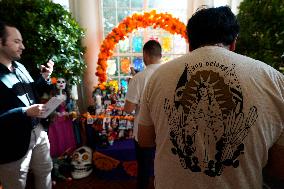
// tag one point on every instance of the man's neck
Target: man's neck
(7, 63)
(222, 45)
(154, 62)
(217, 44)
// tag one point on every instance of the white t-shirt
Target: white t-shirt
(135, 90)
(216, 113)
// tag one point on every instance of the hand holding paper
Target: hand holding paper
(50, 106)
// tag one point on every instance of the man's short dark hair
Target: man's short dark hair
(153, 48)
(3, 31)
(211, 26)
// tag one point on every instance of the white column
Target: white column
(88, 15)
(198, 3)
(190, 8)
(235, 6)
(193, 5)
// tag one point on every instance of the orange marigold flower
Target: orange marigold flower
(53, 80)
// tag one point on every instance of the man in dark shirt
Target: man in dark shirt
(23, 142)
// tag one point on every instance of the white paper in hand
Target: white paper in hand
(51, 105)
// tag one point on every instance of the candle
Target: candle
(98, 100)
(74, 92)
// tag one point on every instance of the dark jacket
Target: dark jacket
(15, 126)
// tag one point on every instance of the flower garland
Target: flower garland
(130, 23)
(102, 116)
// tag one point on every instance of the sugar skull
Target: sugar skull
(82, 162)
(61, 83)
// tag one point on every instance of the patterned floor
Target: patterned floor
(93, 182)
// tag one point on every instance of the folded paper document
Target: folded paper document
(51, 105)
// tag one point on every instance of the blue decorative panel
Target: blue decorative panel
(137, 44)
(124, 83)
(138, 64)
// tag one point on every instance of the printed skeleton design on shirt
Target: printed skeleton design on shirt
(208, 125)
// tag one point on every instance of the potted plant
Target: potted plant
(262, 30)
(48, 31)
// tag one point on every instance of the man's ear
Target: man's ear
(232, 46)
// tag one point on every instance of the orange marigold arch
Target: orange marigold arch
(130, 23)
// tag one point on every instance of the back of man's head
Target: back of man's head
(3, 31)
(212, 26)
(153, 48)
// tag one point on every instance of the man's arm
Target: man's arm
(275, 166)
(146, 135)
(129, 107)
(43, 84)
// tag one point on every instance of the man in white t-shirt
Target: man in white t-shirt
(213, 114)
(152, 53)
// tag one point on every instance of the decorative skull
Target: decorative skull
(60, 83)
(82, 162)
